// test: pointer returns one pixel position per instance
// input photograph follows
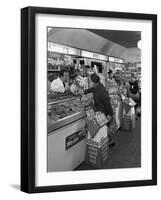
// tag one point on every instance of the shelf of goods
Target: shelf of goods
(66, 132)
(127, 75)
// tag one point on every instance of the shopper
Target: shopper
(110, 76)
(101, 100)
(102, 79)
(75, 87)
(134, 90)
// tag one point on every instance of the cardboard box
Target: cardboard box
(128, 123)
(95, 121)
(96, 156)
(128, 115)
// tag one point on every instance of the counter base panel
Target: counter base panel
(60, 159)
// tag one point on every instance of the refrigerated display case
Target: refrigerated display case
(63, 112)
(67, 132)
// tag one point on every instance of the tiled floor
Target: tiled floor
(126, 153)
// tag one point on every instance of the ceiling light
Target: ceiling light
(139, 44)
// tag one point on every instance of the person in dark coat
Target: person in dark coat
(134, 88)
(100, 96)
(101, 99)
(134, 91)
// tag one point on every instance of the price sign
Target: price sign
(54, 47)
(117, 60)
(92, 55)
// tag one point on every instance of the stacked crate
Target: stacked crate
(128, 117)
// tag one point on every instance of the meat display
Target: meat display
(60, 110)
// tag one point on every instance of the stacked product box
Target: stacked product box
(115, 102)
(97, 153)
(128, 117)
(126, 123)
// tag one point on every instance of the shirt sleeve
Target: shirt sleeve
(90, 90)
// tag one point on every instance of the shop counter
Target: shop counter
(67, 147)
(67, 134)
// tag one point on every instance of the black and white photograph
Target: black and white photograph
(89, 91)
(94, 99)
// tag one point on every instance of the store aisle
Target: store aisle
(126, 153)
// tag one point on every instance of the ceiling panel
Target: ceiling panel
(127, 39)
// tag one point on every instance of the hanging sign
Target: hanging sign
(117, 60)
(54, 47)
(92, 55)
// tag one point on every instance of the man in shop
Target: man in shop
(74, 88)
(81, 81)
(60, 84)
(110, 75)
(102, 79)
(101, 100)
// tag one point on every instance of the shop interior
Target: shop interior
(115, 57)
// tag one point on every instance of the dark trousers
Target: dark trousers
(109, 123)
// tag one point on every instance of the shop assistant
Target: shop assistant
(60, 84)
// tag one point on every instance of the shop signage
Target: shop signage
(53, 47)
(59, 59)
(87, 61)
(76, 137)
(117, 60)
(92, 55)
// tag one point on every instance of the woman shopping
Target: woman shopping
(101, 100)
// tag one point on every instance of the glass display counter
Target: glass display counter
(67, 135)
(65, 110)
